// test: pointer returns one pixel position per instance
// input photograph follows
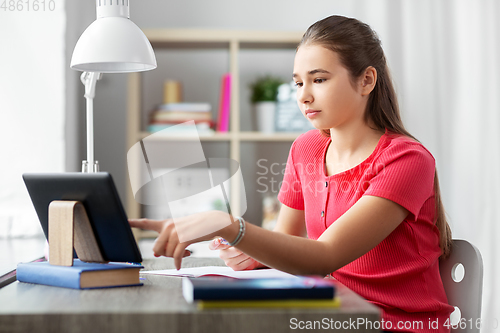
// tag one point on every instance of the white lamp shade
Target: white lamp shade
(113, 45)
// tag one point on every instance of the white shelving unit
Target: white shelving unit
(234, 42)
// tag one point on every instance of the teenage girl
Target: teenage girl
(363, 188)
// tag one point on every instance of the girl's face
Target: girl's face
(325, 93)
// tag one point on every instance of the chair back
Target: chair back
(462, 275)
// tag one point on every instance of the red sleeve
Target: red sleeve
(291, 190)
(406, 176)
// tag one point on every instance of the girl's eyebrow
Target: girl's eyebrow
(314, 71)
(318, 70)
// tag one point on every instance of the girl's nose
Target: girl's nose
(304, 95)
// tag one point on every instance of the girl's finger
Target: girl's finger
(235, 261)
(147, 224)
(230, 253)
(241, 265)
(160, 245)
(163, 240)
(178, 254)
(173, 242)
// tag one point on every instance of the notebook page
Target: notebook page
(221, 271)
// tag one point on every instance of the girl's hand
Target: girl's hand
(160, 226)
(193, 228)
(233, 257)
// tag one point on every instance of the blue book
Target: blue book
(81, 275)
(222, 288)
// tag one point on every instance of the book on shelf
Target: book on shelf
(172, 114)
(222, 288)
(82, 275)
(159, 115)
(273, 303)
(224, 104)
(203, 127)
(191, 107)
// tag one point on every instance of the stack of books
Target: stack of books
(223, 292)
(175, 115)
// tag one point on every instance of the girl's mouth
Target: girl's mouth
(310, 113)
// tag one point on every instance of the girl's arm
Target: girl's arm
(361, 228)
(291, 221)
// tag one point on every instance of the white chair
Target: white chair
(462, 275)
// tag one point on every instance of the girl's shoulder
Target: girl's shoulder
(310, 140)
(398, 145)
(309, 146)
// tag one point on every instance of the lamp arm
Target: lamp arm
(89, 79)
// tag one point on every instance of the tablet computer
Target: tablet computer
(97, 193)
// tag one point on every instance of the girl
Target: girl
(362, 187)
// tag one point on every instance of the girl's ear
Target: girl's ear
(368, 80)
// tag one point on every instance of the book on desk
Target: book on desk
(81, 275)
(81, 213)
(221, 292)
(280, 303)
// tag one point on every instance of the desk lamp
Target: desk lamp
(111, 44)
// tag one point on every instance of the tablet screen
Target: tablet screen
(97, 193)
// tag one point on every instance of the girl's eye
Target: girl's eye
(319, 80)
(298, 84)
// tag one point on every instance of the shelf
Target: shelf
(234, 41)
(202, 37)
(258, 136)
(214, 137)
(241, 136)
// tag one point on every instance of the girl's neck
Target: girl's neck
(350, 146)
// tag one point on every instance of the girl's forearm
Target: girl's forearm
(292, 254)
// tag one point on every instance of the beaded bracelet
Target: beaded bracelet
(241, 233)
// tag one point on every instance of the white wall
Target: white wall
(32, 100)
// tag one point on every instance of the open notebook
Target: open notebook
(222, 271)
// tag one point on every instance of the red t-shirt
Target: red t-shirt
(401, 274)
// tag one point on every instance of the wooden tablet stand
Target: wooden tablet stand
(69, 227)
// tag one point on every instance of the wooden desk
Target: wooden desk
(158, 306)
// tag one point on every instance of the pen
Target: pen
(223, 241)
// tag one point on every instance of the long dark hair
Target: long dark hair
(358, 47)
